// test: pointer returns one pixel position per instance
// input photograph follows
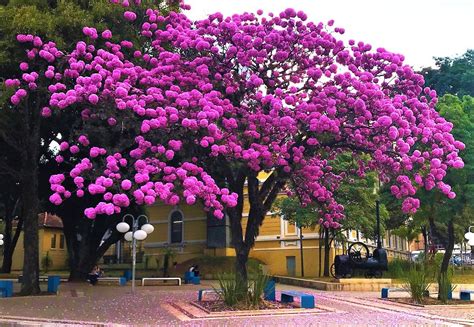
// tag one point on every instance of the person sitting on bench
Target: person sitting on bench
(195, 270)
(94, 275)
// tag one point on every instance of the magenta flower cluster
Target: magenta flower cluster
(272, 93)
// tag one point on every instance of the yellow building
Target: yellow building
(52, 244)
(190, 233)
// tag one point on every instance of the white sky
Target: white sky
(418, 29)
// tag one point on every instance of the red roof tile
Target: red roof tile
(49, 221)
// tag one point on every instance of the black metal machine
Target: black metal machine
(359, 257)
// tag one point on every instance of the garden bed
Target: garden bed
(429, 301)
(220, 306)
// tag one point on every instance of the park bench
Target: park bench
(122, 281)
(43, 278)
(165, 279)
(6, 288)
(386, 290)
(206, 291)
(306, 300)
(190, 278)
(465, 295)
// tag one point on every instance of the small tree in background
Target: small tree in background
(46, 262)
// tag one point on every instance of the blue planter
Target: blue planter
(6, 288)
(269, 291)
(127, 274)
(53, 284)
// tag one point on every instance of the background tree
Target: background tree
(27, 137)
(210, 104)
(356, 194)
(444, 219)
(458, 211)
(452, 75)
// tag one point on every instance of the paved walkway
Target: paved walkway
(82, 305)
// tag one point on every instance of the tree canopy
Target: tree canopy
(199, 108)
(452, 75)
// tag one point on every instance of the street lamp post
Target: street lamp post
(377, 215)
(301, 250)
(470, 236)
(135, 235)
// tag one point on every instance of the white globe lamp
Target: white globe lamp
(123, 227)
(1, 242)
(140, 235)
(1, 236)
(148, 228)
(128, 236)
(469, 236)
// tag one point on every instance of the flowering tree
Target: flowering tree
(198, 109)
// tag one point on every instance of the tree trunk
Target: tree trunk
(10, 243)
(447, 256)
(321, 235)
(242, 256)
(87, 240)
(327, 249)
(424, 232)
(88, 252)
(29, 193)
(449, 248)
(239, 245)
(30, 208)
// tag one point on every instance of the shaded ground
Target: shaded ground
(114, 305)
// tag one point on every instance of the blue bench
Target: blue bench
(190, 278)
(465, 295)
(307, 300)
(53, 284)
(385, 292)
(127, 274)
(204, 291)
(269, 291)
(6, 288)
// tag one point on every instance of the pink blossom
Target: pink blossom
(107, 34)
(130, 16)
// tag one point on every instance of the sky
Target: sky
(418, 29)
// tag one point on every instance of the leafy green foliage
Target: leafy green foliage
(46, 262)
(445, 286)
(416, 283)
(397, 268)
(452, 75)
(356, 194)
(436, 209)
(236, 294)
(229, 289)
(256, 289)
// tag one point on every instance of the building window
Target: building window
(176, 227)
(53, 241)
(61, 241)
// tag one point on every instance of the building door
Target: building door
(291, 266)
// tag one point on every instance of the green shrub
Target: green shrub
(416, 283)
(231, 292)
(398, 268)
(46, 262)
(234, 293)
(256, 289)
(445, 286)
